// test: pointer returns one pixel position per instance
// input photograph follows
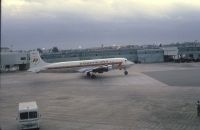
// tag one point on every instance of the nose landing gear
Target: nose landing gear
(125, 72)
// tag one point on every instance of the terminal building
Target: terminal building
(134, 55)
(182, 54)
(19, 60)
(14, 60)
(150, 55)
(189, 53)
(147, 54)
(87, 54)
(170, 53)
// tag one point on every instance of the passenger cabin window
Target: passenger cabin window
(24, 115)
(32, 114)
(23, 58)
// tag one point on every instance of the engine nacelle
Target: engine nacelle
(109, 67)
(103, 69)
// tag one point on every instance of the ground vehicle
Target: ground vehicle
(28, 115)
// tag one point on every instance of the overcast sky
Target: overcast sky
(28, 24)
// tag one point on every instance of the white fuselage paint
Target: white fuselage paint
(84, 66)
(117, 63)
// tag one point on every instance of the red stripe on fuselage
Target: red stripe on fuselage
(112, 63)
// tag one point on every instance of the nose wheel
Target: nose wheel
(125, 72)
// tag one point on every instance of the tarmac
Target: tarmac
(152, 97)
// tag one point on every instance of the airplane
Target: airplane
(88, 67)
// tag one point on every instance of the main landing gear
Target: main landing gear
(88, 74)
(92, 76)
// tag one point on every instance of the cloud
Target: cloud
(71, 23)
(97, 9)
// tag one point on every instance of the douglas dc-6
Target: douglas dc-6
(89, 67)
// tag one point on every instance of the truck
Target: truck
(28, 115)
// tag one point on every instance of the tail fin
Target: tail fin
(36, 63)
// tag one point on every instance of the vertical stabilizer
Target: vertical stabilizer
(36, 63)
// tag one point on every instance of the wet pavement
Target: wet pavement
(151, 97)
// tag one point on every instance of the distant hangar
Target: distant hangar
(19, 60)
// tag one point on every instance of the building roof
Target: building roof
(4, 49)
(25, 106)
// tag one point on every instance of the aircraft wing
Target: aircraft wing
(96, 69)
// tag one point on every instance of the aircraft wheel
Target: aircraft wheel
(126, 72)
(93, 76)
(88, 74)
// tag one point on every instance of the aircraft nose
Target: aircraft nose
(129, 63)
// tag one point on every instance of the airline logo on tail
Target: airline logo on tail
(35, 61)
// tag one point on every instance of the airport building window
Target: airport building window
(23, 58)
(191, 55)
(7, 66)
